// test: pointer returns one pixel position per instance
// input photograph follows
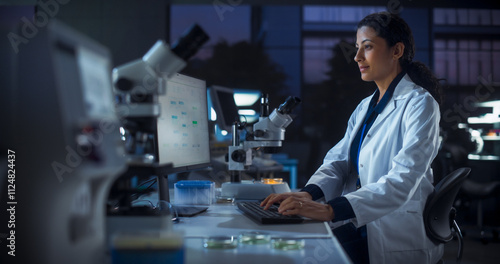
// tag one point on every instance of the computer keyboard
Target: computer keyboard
(269, 216)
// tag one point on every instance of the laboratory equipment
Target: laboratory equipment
(269, 131)
(222, 99)
(181, 145)
(181, 141)
(155, 103)
(194, 192)
(138, 85)
(66, 140)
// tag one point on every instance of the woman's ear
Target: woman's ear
(398, 50)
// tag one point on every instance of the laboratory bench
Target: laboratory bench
(226, 220)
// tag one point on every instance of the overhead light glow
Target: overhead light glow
(247, 112)
(246, 98)
(213, 114)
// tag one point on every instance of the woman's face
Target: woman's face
(375, 59)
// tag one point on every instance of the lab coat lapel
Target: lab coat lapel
(360, 118)
(389, 108)
(401, 91)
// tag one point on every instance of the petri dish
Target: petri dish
(287, 243)
(220, 242)
(272, 180)
(254, 238)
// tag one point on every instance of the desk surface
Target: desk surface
(227, 220)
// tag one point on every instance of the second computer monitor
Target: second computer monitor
(183, 137)
(225, 107)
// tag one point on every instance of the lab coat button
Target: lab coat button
(368, 135)
(361, 165)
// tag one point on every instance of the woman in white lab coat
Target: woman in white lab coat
(390, 142)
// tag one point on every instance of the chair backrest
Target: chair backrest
(439, 205)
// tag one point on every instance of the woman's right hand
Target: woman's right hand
(278, 198)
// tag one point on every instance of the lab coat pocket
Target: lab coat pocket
(403, 229)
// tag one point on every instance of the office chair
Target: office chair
(439, 214)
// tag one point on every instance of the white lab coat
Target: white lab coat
(395, 174)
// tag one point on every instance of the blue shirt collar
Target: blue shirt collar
(387, 96)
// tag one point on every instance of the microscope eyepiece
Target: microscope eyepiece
(124, 84)
(190, 41)
(289, 104)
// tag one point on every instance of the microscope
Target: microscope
(268, 132)
(137, 86)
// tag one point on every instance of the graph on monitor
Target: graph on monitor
(183, 137)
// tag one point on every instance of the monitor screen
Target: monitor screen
(223, 102)
(96, 83)
(183, 138)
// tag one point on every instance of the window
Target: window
(466, 45)
(458, 16)
(463, 61)
(231, 25)
(324, 27)
(338, 14)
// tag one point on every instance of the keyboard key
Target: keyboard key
(270, 216)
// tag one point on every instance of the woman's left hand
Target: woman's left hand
(306, 207)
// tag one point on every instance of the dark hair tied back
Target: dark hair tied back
(394, 29)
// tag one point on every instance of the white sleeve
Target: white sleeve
(332, 174)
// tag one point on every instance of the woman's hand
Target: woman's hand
(299, 203)
(306, 207)
(278, 198)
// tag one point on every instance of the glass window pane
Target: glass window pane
(486, 44)
(310, 13)
(342, 14)
(496, 17)
(474, 66)
(485, 69)
(474, 45)
(317, 52)
(463, 44)
(463, 16)
(485, 17)
(439, 44)
(452, 44)
(451, 16)
(474, 15)
(463, 67)
(451, 67)
(439, 16)
(440, 63)
(231, 25)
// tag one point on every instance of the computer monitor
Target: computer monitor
(182, 128)
(222, 99)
